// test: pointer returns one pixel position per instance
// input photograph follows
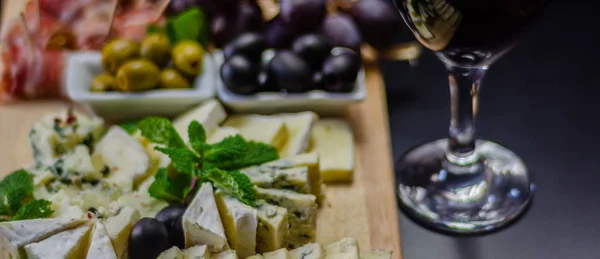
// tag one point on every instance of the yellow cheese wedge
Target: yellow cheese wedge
(299, 126)
(221, 133)
(266, 129)
(210, 114)
(334, 142)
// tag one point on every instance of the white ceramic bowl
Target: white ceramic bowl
(321, 102)
(82, 67)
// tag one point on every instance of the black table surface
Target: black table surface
(542, 100)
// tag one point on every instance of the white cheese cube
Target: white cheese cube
(309, 160)
(221, 133)
(277, 254)
(299, 126)
(345, 248)
(272, 229)
(171, 253)
(101, 246)
(119, 227)
(70, 244)
(266, 129)
(376, 254)
(210, 114)
(202, 224)
(240, 222)
(14, 235)
(227, 254)
(308, 251)
(334, 142)
(126, 158)
(197, 252)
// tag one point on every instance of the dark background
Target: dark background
(542, 100)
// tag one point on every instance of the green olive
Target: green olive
(138, 75)
(187, 57)
(104, 82)
(171, 78)
(157, 49)
(117, 52)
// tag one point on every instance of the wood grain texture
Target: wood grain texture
(365, 209)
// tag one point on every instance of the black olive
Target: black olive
(240, 75)
(290, 73)
(171, 218)
(148, 239)
(340, 71)
(250, 45)
(313, 48)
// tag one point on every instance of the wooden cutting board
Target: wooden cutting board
(365, 209)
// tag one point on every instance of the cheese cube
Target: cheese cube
(301, 211)
(308, 251)
(101, 246)
(202, 224)
(221, 133)
(171, 253)
(240, 222)
(127, 159)
(345, 248)
(14, 235)
(227, 254)
(334, 142)
(119, 227)
(277, 254)
(272, 227)
(310, 160)
(299, 126)
(269, 130)
(70, 244)
(197, 252)
(210, 114)
(295, 179)
(376, 254)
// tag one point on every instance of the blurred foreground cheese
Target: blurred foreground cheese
(202, 224)
(210, 114)
(240, 222)
(345, 248)
(227, 254)
(171, 253)
(100, 245)
(14, 235)
(299, 126)
(70, 244)
(308, 251)
(119, 227)
(266, 129)
(376, 254)
(277, 254)
(221, 133)
(334, 142)
(197, 252)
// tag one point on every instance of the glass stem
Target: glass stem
(464, 98)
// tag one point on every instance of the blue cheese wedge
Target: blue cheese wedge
(334, 142)
(70, 244)
(345, 248)
(308, 251)
(57, 134)
(301, 211)
(221, 133)
(119, 227)
(197, 252)
(14, 235)
(240, 222)
(376, 254)
(202, 224)
(277, 254)
(171, 253)
(271, 232)
(309, 160)
(299, 126)
(101, 246)
(227, 254)
(126, 158)
(210, 114)
(295, 179)
(266, 129)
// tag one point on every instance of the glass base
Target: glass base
(468, 195)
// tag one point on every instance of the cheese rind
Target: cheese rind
(308, 251)
(301, 211)
(277, 254)
(345, 248)
(299, 126)
(202, 224)
(209, 113)
(101, 246)
(272, 227)
(295, 179)
(14, 235)
(197, 252)
(334, 142)
(171, 253)
(376, 254)
(309, 160)
(70, 244)
(240, 222)
(266, 129)
(119, 227)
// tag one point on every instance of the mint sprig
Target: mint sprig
(16, 193)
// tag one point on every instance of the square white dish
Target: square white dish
(82, 67)
(321, 102)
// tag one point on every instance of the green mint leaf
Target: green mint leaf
(130, 127)
(183, 159)
(189, 25)
(231, 182)
(234, 153)
(152, 28)
(159, 130)
(14, 190)
(172, 190)
(35, 209)
(197, 136)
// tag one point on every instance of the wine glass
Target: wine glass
(462, 184)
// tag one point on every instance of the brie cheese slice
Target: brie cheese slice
(240, 222)
(171, 253)
(101, 246)
(202, 224)
(299, 126)
(308, 251)
(277, 254)
(227, 254)
(197, 252)
(119, 227)
(70, 244)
